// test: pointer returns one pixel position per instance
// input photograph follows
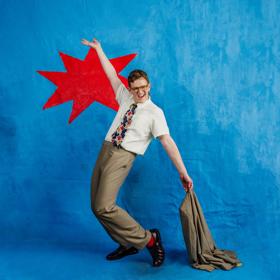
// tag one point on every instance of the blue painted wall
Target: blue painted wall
(214, 69)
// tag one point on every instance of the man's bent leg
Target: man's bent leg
(122, 227)
(117, 222)
(103, 156)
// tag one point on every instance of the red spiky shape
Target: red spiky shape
(84, 82)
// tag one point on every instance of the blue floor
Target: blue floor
(39, 259)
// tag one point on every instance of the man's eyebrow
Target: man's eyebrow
(141, 86)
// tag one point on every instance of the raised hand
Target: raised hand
(94, 44)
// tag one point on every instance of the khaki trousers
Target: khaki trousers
(112, 167)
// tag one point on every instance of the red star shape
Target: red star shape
(84, 82)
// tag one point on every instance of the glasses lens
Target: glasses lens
(138, 88)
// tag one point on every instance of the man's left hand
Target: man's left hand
(187, 182)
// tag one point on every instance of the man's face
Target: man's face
(140, 89)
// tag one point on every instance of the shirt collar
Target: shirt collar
(141, 105)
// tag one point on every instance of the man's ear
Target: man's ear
(129, 89)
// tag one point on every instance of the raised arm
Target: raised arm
(105, 62)
(172, 150)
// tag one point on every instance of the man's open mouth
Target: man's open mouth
(141, 95)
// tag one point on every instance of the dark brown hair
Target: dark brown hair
(136, 74)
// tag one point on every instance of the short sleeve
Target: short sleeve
(159, 125)
(122, 94)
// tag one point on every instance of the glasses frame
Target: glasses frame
(136, 89)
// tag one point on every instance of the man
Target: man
(136, 123)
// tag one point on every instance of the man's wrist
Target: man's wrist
(183, 172)
(98, 48)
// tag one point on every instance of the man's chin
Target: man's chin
(141, 100)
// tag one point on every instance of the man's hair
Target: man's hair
(136, 74)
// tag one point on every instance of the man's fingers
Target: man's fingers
(187, 184)
(85, 42)
(190, 186)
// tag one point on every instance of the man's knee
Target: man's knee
(102, 211)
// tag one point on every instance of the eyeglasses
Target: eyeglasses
(136, 89)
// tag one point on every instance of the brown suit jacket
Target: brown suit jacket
(202, 251)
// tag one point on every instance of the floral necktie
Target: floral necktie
(118, 135)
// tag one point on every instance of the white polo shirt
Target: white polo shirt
(148, 122)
